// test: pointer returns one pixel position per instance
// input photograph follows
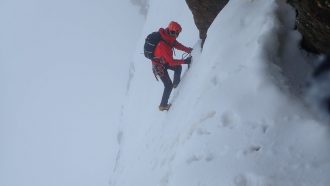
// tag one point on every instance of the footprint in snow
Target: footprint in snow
(196, 158)
(263, 127)
(251, 180)
(229, 119)
(214, 81)
(209, 115)
(202, 132)
(251, 149)
(195, 127)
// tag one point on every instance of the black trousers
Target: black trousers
(168, 85)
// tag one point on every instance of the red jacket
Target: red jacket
(164, 49)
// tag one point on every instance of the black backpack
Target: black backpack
(150, 44)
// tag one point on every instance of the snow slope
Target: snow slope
(237, 117)
(79, 107)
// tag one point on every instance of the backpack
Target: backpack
(150, 44)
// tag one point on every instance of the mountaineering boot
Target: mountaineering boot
(164, 107)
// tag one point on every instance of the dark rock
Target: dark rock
(313, 22)
(204, 12)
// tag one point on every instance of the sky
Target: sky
(80, 102)
(63, 73)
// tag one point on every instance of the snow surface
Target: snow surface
(237, 117)
(80, 103)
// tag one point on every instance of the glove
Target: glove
(188, 60)
(189, 50)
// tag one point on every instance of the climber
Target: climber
(164, 61)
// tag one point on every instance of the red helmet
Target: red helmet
(174, 26)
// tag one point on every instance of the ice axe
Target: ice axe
(185, 56)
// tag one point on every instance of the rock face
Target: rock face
(204, 12)
(313, 22)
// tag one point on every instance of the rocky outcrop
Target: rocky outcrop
(204, 12)
(313, 22)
